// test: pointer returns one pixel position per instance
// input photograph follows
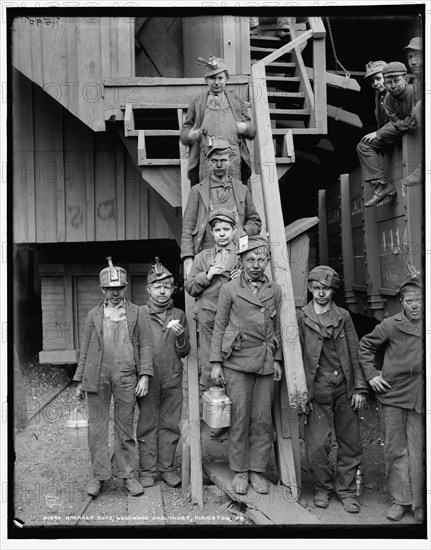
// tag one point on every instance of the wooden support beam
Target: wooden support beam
(323, 229)
(288, 149)
(337, 81)
(347, 243)
(317, 26)
(142, 150)
(344, 116)
(320, 96)
(292, 354)
(129, 119)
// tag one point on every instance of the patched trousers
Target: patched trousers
(250, 433)
(404, 455)
(158, 428)
(332, 410)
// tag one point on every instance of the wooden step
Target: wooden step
(152, 133)
(136, 106)
(282, 79)
(289, 113)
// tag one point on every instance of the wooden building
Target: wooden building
(98, 170)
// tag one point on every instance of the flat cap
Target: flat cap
(158, 272)
(415, 44)
(222, 214)
(325, 275)
(213, 65)
(253, 243)
(374, 67)
(412, 280)
(218, 144)
(112, 276)
(394, 68)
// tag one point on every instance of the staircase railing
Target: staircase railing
(294, 372)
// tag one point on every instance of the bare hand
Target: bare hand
(379, 384)
(307, 410)
(277, 371)
(178, 329)
(369, 137)
(187, 267)
(79, 393)
(142, 386)
(195, 134)
(217, 373)
(213, 271)
(242, 127)
(359, 400)
(234, 273)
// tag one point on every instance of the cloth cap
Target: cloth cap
(374, 67)
(325, 275)
(415, 44)
(158, 272)
(112, 276)
(255, 242)
(412, 280)
(218, 144)
(222, 214)
(214, 65)
(394, 68)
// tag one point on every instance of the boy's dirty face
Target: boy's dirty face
(396, 84)
(219, 163)
(322, 294)
(217, 82)
(222, 232)
(254, 263)
(378, 82)
(160, 291)
(115, 295)
(415, 61)
(411, 300)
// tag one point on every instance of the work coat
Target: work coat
(195, 218)
(246, 335)
(90, 359)
(345, 341)
(402, 363)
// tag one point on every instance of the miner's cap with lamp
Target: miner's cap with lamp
(394, 68)
(374, 67)
(253, 243)
(222, 214)
(218, 144)
(112, 276)
(214, 65)
(158, 272)
(325, 275)
(411, 280)
(415, 44)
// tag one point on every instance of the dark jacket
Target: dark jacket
(402, 363)
(246, 335)
(346, 344)
(195, 218)
(399, 112)
(90, 359)
(379, 109)
(195, 115)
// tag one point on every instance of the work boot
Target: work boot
(382, 189)
(321, 499)
(217, 433)
(419, 514)
(171, 478)
(240, 483)
(414, 178)
(147, 480)
(93, 487)
(351, 505)
(396, 512)
(259, 483)
(133, 486)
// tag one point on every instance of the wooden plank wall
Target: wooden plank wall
(71, 184)
(69, 57)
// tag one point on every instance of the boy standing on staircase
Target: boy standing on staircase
(398, 105)
(158, 429)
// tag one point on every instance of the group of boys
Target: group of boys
(134, 353)
(398, 111)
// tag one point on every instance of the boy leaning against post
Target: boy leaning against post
(245, 356)
(211, 269)
(336, 390)
(116, 350)
(399, 389)
(158, 428)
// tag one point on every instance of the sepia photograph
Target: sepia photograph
(215, 226)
